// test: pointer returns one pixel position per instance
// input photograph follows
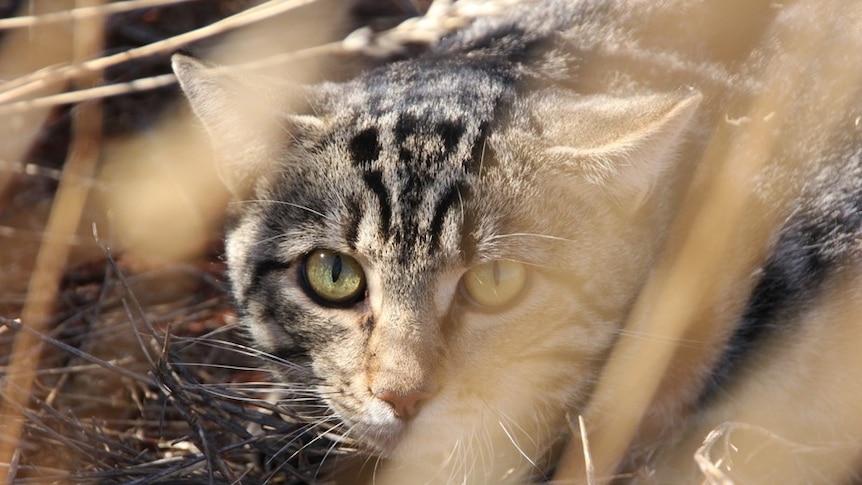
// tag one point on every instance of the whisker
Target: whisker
(305, 446)
(328, 453)
(270, 239)
(284, 202)
(684, 343)
(374, 471)
(517, 446)
(246, 350)
(529, 235)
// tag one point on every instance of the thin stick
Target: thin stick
(588, 457)
(84, 13)
(96, 362)
(53, 253)
(81, 95)
(426, 29)
(25, 85)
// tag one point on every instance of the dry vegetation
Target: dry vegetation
(119, 357)
(120, 361)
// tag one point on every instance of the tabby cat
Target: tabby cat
(448, 247)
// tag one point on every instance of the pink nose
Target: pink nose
(404, 405)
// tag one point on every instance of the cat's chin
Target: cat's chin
(401, 441)
(430, 441)
(380, 437)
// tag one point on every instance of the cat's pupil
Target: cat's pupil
(336, 268)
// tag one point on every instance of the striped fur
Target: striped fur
(561, 135)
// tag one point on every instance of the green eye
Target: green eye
(333, 278)
(494, 284)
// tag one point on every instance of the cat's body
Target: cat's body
(451, 244)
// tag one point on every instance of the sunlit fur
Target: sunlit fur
(562, 136)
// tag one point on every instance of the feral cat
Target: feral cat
(447, 248)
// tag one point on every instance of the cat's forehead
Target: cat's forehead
(415, 137)
(431, 88)
(425, 105)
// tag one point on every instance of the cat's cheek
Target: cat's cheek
(524, 367)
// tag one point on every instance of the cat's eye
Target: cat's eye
(494, 284)
(333, 278)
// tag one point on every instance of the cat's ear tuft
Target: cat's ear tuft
(621, 145)
(196, 83)
(220, 100)
(246, 117)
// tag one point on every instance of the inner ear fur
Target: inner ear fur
(248, 118)
(620, 145)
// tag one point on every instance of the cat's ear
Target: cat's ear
(247, 118)
(621, 145)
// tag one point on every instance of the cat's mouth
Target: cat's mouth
(382, 438)
(373, 426)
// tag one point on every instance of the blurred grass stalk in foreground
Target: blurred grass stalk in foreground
(87, 42)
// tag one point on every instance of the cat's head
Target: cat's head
(450, 257)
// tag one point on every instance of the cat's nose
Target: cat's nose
(404, 405)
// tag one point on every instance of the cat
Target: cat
(449, 247)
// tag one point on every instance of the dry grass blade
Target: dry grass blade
(65, 216)
(81, 13)
(92, 414)
(678, 292)
(82, 95)
(710, 468)
(725, 447)
(588, 458)
(26, 85)
(441, 19)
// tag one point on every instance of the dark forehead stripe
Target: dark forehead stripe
(406, 125)
(365, 148)
(449, 131)
(351, 227)
(374, 181)
(457, 193)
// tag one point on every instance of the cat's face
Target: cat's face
(451, 268)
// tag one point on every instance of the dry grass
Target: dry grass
(119, 358)
(119, 355)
